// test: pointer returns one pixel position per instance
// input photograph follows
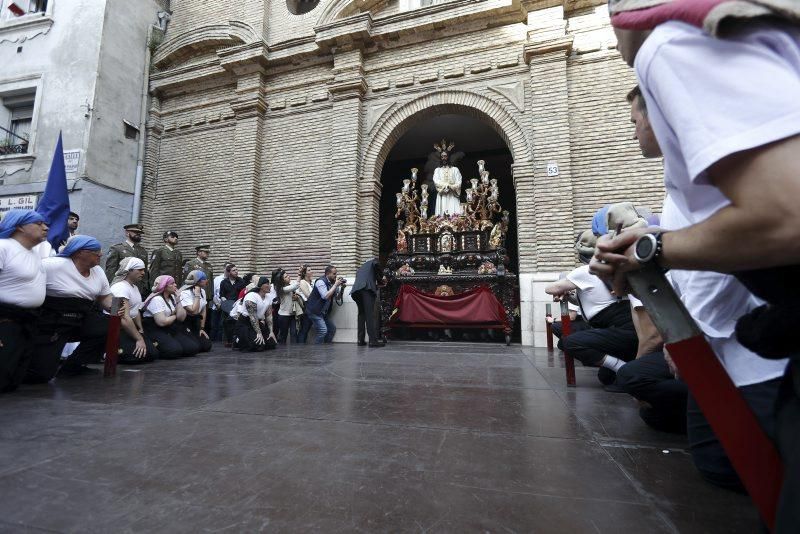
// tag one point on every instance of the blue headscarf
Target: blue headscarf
(600, 221)
(79, 242)
(16, 218)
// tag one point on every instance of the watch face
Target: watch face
(645, 247)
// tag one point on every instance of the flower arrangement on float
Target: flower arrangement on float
(487, 267)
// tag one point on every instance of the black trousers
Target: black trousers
(287, 327)
(228, 326)
(16, 349)
(62, 322)
(575, 326)
(788, 440)
(707, 453)
(649, 380)
(365, 301)
(590, 346)
(127, 345)
(192, 323)
(305, 327)
(246, 336)
(171, 341)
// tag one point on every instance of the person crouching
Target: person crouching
(134, 346)
(254, 326)
(163, 320)
(76, 291)
(193, 300)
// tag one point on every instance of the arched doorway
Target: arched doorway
(401, 135)
(395, 120)
(474, 140)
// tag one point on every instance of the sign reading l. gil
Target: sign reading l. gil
(27, 202)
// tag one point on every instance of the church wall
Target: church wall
(607, 164)
(296, 211)
(564, 101)
(188, 15)
(193, 171)
(284, 26)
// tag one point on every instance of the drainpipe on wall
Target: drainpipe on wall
(137, 193)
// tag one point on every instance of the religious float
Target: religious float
(449, 270)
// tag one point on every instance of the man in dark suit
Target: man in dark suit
(364, 292)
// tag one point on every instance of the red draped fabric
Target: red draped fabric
(474, 308)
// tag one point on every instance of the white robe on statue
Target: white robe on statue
(450, 201)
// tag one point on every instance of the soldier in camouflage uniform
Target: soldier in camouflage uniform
(167, 259)
(201, 263)
(130, 247)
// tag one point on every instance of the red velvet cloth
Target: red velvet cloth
(474, 308)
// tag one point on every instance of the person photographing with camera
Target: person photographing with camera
(326, 289)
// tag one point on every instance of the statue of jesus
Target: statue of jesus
(447, 181)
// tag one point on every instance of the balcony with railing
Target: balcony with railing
(12, 143)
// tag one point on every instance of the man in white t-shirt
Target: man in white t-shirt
(22, 281)
(609, 340)
(716, 301)
(727, 117)
(77, 291)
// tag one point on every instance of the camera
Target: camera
(342, 280)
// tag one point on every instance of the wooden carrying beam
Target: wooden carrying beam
(566, 329)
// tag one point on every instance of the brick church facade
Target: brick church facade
(269, 132)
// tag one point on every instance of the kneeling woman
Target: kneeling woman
(163, 321)
(254, 326)
(193, 300)
(134, 346)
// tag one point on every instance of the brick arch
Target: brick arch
(385, 134)
(184, 45)
(389, 130)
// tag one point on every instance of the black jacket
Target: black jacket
(230, 291)
(368, 276)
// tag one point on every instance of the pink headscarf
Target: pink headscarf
(159, 285)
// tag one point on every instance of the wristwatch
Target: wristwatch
(648, 248)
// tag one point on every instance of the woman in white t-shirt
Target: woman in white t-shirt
(77, 290)
(254, 326)
(285, 292)
(134, 346)
(193, 299)
(162, 318)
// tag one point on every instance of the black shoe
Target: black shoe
(377, 344)
(362, 343)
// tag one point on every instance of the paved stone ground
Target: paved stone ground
(410, 437)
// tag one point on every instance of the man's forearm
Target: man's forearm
(129, 327)
(731, 240)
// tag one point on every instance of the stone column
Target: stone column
(346, 89)
(546, 53)
(551, 143)
(249, 109)
(154, 130)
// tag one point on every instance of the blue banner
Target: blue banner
(54, 204)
